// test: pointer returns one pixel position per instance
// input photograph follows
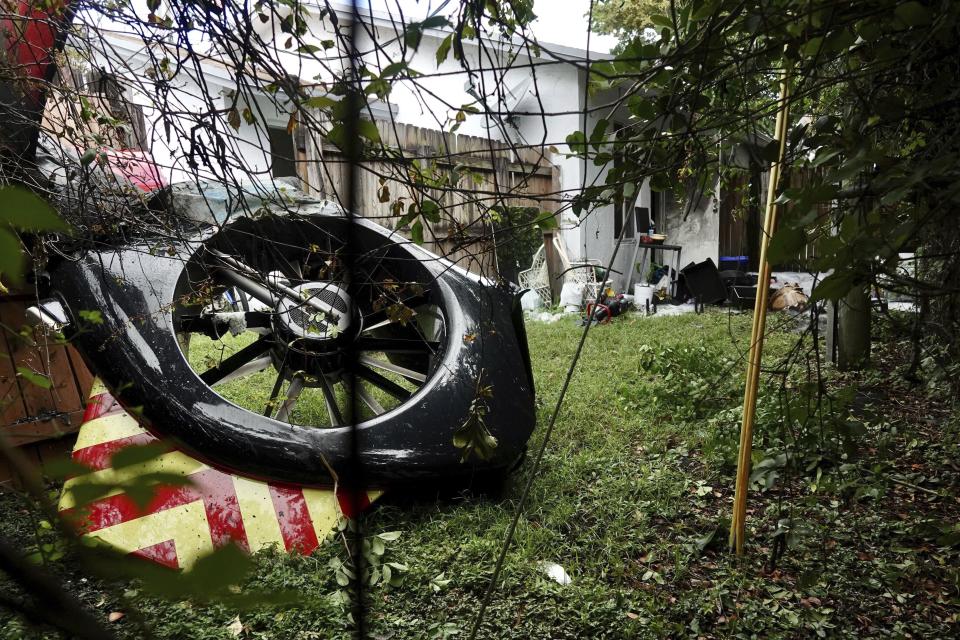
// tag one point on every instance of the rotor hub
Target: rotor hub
(323, 313)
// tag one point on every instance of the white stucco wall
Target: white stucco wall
(696, 230)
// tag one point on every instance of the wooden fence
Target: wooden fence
(32, 413)
(490, 174)
(741, 215)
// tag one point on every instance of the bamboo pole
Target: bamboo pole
(738, 521)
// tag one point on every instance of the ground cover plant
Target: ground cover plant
(861, 541)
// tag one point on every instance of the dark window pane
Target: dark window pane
(282, 159)
(642, 215)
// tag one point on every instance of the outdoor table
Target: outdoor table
(675, 260)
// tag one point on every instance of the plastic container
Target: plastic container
(531, 301)
(571, 296)
(734, 263)
(642, 294)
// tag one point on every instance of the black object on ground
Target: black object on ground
(735, 277)
(609, 308)
(743, 296)
(702, 281)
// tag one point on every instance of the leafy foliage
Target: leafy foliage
(628, 17)
(873, 111)
(21, 210)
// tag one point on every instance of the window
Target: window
(656, 210)
(282, 157)
(642, 217)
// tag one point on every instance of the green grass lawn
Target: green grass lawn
(631, 500)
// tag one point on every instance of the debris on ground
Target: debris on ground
(789, 296)
(548, 316)
(556, 573)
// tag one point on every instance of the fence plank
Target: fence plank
(36, 399)
(524, 178)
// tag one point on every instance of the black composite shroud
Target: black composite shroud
(135, 351)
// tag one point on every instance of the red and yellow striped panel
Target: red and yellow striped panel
(182, 523)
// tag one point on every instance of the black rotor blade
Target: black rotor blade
(378, 380)
(331, 399)
(272, 402)
(396, 345)
(214, 374)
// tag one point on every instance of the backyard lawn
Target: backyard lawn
(856, 537)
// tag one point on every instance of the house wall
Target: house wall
(592, 237)
(432, 102)
(696, 228)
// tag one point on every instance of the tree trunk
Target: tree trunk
(850, 350)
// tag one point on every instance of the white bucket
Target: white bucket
(571, 295)
(642, 294)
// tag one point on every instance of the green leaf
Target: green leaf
(833, 287)
(34, 378)
(129, 456)
(84, 493)
(143, 487)
(393, 69)
(913, 14)
(416, 232)
(546, 220)
(824, 154)
(812, 46)
(430, 210)
(661, 21)
(643, 108)
(577, 142)
(226, 566)
(713, 539)
(27, 211)
(88, 156)
(413, 34)
(434, 22)
(11, 257)
(63, 468)
(319, 102)
(474, 438)
(597, 137)
(786, 244)
(444, 49)
(91, 316)
(368, 130)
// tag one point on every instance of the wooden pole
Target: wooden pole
(738, 521)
